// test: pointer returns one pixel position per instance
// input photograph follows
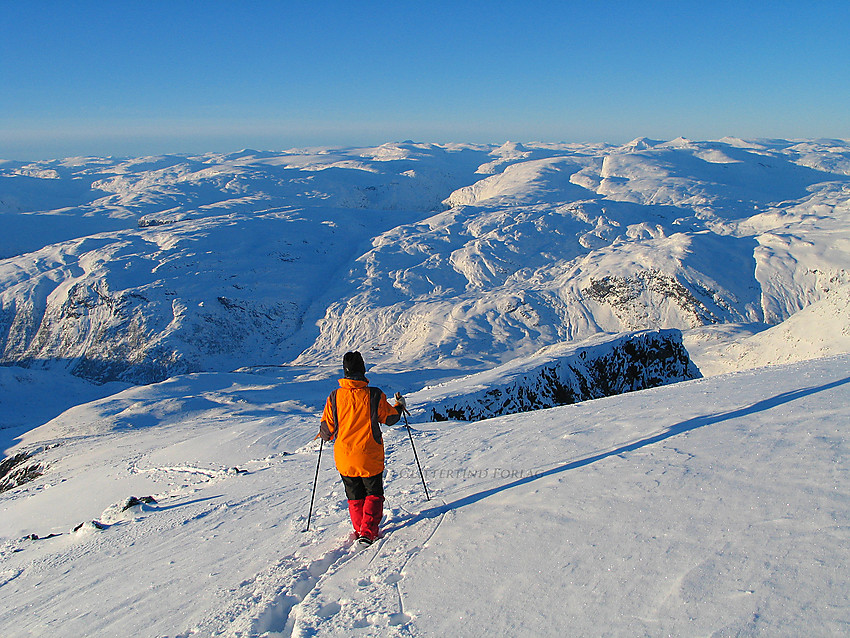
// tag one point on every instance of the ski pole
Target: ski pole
(315, 480)
(415, 456)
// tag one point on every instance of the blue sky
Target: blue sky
(137, 77)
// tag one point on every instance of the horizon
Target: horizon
(309, 148)
(165, 79)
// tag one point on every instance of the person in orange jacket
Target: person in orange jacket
(352, 417)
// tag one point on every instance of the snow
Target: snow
(714, 505)
(231, 284)
(452, 256)
(816, 331)
(32, 397)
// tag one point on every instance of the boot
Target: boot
(373, 512)
(355, 509)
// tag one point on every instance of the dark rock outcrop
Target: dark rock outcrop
(561, 375)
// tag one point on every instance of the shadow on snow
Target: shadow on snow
(675, 430)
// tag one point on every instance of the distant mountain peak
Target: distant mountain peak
(640, 144)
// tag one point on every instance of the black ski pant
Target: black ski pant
(359, 487)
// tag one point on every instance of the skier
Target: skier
(352, 416)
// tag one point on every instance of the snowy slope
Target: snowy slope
(718, 506)
(816, 331)
(445, 256)
(215, 293)
(220, 261)
(32, 397)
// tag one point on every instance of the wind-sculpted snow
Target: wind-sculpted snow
(564, 374)
(452, 256)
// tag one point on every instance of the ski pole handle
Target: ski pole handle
(401, 405)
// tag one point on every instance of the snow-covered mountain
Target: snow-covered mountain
(459, 256)
(816, 331)
(482, 282)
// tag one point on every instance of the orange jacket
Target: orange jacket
(353, 414)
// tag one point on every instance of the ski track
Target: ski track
(375, 606)
(330, 585)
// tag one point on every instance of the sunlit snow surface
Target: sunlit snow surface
(716, 505)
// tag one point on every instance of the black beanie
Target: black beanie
(353, 366)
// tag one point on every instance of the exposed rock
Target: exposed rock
(89, 525)
(646, 289)
(133, 502)
(569, 373)
(14, 473)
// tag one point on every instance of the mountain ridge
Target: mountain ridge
(421, 254)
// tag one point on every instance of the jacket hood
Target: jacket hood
(353, 383)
